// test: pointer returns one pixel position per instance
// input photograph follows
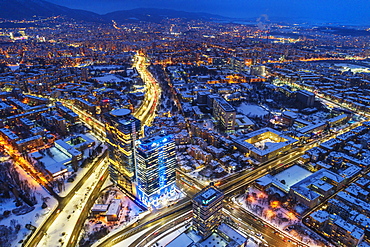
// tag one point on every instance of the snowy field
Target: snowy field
(129, 214)
(105, 67)
(252, 110)
(107, 78)
(258, 204)
(35, 217)
(165, 238)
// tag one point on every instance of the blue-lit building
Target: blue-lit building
(122, 131)
(155, 167)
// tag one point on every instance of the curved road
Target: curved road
(146, 222)
(245, 179)
(146, 112)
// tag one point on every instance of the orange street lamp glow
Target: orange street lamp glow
(274, 204)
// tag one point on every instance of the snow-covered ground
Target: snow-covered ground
(107, 78)
(274, 214)
(130, 209)
(167, 237)
(252, 110)
(128, 214)
(35, 217)
(105, 67)
(81, 171)
(122, 226)
(64, 224)
(354, 68)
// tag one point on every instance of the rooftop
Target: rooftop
(120, 112)
(278, 141)
(207, 196)
(152, 142)
(182, 240)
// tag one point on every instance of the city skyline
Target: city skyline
(156, 127)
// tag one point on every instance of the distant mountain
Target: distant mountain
(27, 9)
(157, 15)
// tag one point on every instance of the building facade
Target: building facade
(306, 98)
(224, 113)
(155, 167)
(207, 210)
(122, 131)
(265, 144)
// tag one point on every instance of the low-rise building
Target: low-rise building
(264, 144)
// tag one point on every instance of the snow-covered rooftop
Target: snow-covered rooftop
(293, 175)
(181, 240)
(271, 146)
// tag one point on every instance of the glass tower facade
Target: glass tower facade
(207, 210)
(122, 131)
(155, 166)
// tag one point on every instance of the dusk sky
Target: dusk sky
(342, 11)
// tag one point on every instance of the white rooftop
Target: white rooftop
(293, 175)
(120, 112)
(182, 240)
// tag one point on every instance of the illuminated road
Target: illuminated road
(97, 127)
(42, 230)
(150, 220)
(146, 112)
(86, 210)
(238, 184)
(271, 234)
(326, 100)
(164, 225)
(230, 185)
(27, 167)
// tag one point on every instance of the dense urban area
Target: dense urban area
(183, 132)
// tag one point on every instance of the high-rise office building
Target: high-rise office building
(224, 113)
(207, 207)
(122, 131)
(155, 167)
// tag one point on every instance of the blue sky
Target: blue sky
(343, 11)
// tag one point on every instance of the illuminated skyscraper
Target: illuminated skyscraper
(155, 167)
(122, 131)
(207, 210)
